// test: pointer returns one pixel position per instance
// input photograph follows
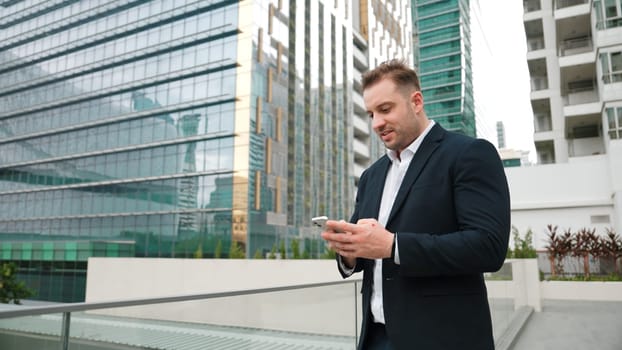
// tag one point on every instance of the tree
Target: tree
(282, 250)
(236, 251)
(611, 247)
(558, 248)
(198, 254)
(258, 254)
(218, 250)
(12, 290)
(295, 246)
(523, 248)
(585, 243)
(272, 254)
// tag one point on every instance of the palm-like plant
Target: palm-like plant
(611, 246)
(585, 243)
(558, 247)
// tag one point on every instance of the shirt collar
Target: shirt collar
(409, 151)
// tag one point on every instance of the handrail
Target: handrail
(83, 306)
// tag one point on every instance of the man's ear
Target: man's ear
(416, 98)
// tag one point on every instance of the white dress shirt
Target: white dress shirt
(392, 184)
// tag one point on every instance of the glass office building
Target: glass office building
(442, 47)
(168, 128)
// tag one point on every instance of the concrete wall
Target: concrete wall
(568, 195)
(326, 310)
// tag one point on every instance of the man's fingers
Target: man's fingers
(340, 226)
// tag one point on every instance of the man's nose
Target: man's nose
(377, 123)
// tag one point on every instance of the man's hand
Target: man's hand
(365, 239)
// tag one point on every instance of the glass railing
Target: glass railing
(325, 315)
(319, 316)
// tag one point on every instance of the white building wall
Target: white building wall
(573, 195)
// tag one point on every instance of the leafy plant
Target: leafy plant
(272, 254)
(198, 253)
(12, 290)
(295, 247)
(282, 250)
(236, 251)
(558, 247)
(258, 254)
(218, 250)
(611, 247)
(585, 242)
(523, 247)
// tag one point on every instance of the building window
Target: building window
(612, 67)
(608, 13)
(614, 122)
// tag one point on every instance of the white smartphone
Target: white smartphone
(320, 221)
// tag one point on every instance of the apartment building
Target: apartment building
(575, 63)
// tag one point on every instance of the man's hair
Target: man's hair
(397, 70)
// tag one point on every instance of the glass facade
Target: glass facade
(443, 57)
(167, 128)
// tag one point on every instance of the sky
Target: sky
(500, 73)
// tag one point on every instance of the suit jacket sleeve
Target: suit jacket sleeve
(480, 218)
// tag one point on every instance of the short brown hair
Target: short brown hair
(397, 70)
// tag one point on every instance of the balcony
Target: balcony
(535, 43)
(542, 122)
(567, 9)
(361, 150)
(531, 5)
(575, 46)
(560, 4)
(539, 83)
(361, 127)
(581, 97)
(359, 104)
(360, 59)
(546, 151)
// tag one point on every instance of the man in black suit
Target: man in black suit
(431, 216)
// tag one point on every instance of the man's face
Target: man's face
(397, 114)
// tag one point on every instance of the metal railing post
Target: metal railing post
(356, 315)
(64, 335)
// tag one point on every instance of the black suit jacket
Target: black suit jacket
(452, 220)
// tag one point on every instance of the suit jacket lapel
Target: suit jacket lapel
(427, 147)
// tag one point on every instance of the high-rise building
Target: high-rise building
(382, 31)
(169, 128)
(442, 55)
(575, 62)
(500, 134)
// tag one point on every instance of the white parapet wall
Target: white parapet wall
(589, 291)
(526, 289)
(324, 310)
